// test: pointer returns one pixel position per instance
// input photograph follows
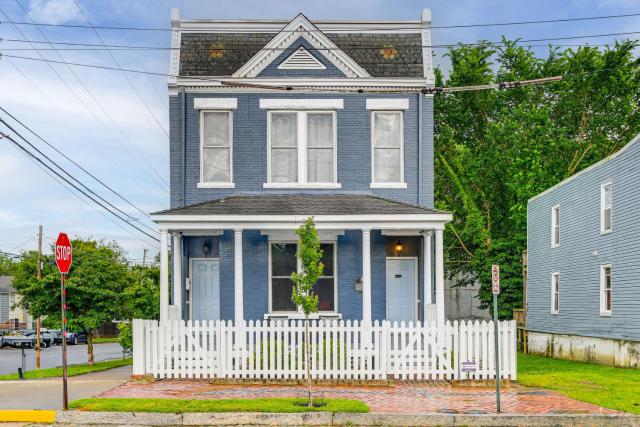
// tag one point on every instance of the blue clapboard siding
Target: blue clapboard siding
(250, 148)
(583, 250)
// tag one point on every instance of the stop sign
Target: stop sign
(63, 253)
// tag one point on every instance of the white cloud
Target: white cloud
(54, 11)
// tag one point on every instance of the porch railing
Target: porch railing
(340, 350)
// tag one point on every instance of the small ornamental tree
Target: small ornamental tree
(310, 255)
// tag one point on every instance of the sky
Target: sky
(115, 125)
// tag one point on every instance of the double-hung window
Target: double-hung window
(216, 141)
(302, 143)
(284, 262)
(387, 142)
(555, 226)
(555, 293)
(606, 193)
(605, 290)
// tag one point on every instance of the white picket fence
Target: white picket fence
(344, 350)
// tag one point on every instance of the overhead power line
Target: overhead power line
(53, 147)
(155, 176)
(372, 28)
(72, 181)
(92, 47)
(126, 76)
(231, 83)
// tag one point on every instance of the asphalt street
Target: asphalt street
(52, 356)
(47, 393)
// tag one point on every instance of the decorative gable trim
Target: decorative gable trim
(300, 26)
(301, 59)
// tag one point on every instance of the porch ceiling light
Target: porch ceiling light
(399, 247)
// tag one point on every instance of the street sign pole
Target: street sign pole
(63, 303)
(64, 258)
(495, 278)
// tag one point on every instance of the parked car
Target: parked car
(57, 336)
(77, 337)
(27, 338)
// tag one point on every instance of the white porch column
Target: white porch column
(238, 291)
(164, 276)
(366, 275)
(177, 274)
(427, 268)
(440, 278)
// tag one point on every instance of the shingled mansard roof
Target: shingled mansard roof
(302, 205)
(243, 48)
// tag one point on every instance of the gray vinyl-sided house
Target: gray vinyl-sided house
(583, 289)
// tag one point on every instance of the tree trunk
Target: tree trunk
(90, 347)
(307, 338)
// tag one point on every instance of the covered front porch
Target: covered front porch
(232, 259)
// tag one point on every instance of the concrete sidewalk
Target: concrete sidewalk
(46, 393)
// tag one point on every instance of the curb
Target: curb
(340, 419)
(27, 416)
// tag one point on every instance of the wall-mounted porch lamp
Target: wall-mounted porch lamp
(205, 248)
(399, 247)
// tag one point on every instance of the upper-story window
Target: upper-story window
(216, 141)
(555, 226)
(387, 142)
(606, 193)
(302, 138)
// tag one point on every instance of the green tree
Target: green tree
(7, 265)
(141, 300)
(95, 286)
(309, 254)
(494, 150)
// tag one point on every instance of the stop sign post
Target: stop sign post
(495, 290)
(64, 257)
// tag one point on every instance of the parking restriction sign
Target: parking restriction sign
(495, 279)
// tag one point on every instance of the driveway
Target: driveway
(52, 356)
(46, 393)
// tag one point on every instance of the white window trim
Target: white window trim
(603, 311)
(215, 103)
(387, 104)
(297, 314)
(219, 184)
(602, 187)
(402, 183)
(554, 224)
(301, 104)
(553, 293)
(302, 153)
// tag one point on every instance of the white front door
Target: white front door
(205, 289)
(402, 284)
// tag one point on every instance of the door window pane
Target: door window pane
(216, 146)
(387, 143)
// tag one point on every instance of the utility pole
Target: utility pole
(144, 257)
(38, 331)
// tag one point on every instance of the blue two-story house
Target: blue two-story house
(583, 295)
(272, 122)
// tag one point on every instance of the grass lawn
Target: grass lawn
(72, 370)
(283, 404)
(105, 340)
(615, 388)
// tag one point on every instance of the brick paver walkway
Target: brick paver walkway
(402, 397)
